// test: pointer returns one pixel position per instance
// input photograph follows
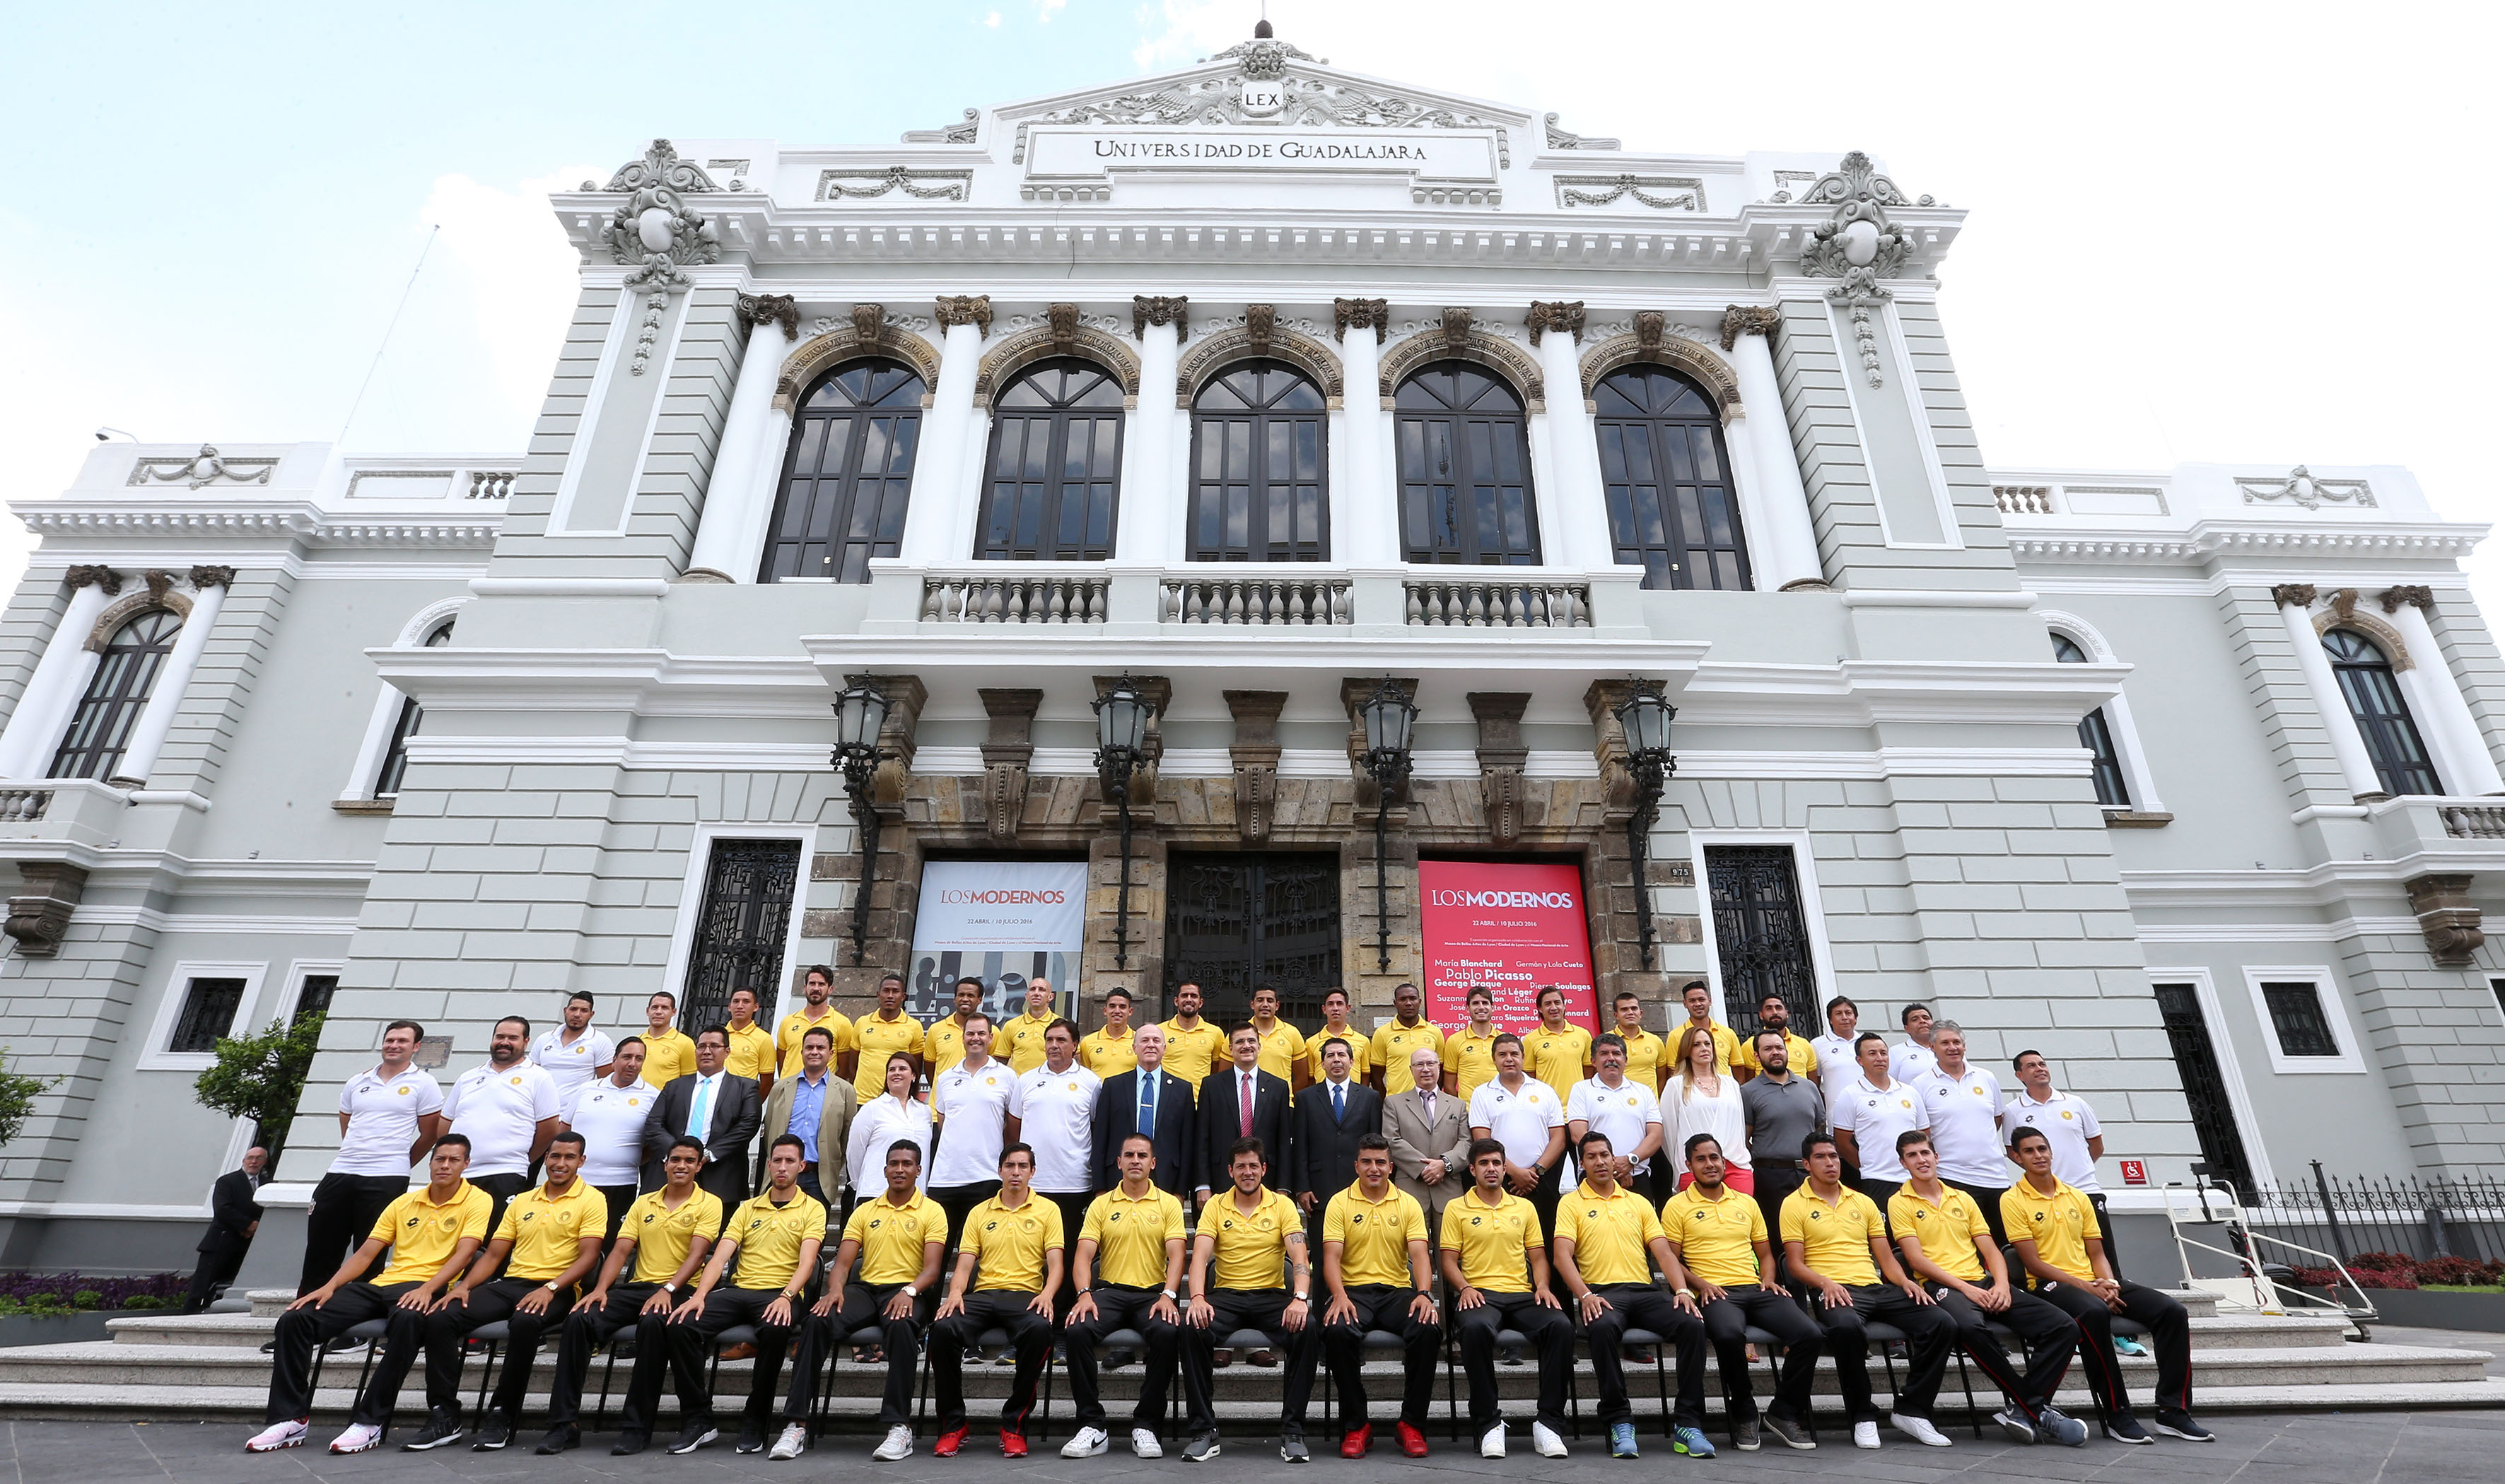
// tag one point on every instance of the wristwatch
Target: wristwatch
(553, 1287)
(670, 1288)
(1168, 1293)
(910, 1291)
(1687, 1293)
(1303, 1299)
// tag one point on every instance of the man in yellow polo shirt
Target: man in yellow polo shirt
(1469, 1053)
(1605, 1234)
(1836, 1242)
(1014, 1239)
(1193, 1045)
(775, 1237)
(1374, 1262)
(668, 1053)
(665, 1234)
(881, 1034)
(1395, 1041)
(817, 987)
(1335, 1023)
(547, 1243)
(944, 1044)
(431, 1233)
(1720, 1238)
(1800, 1058)
(1249, 1271)
(2059, 1243)
(1496, 1267)
(1106, 1050)
(1128, 1262)
(752, 1045)
(1556, 1050)
(1645, 1052)
(1021, 1037)
(1698, 997)
(1948, 1245)
(1282, 1047)
(897, 1239)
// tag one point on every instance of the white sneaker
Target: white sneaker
(358, 1438)
(1085, 1443)
(898, 1445)
(1919, 1430)
(1866, 1435)
(1145, 1444)
(1492, 1442)
(1545, 1442)
(794, 1442)
(277, 1435)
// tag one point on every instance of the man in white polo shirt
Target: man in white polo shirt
(1054, 1106)
(507, 1111)
(970, 1109)
(609, 1114)
(1626, 1110)
(574, 1055)
(1914, 1057)
(1837, 1068)
(1963, 1106)
(387, 1118)
(1873, 1111)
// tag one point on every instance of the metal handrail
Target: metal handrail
(2240, 1232)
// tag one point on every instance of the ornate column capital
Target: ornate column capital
(1157, 309)
(2394, 599)
(1555, 314)
(1349, 314)
(756, 309)
(212, 577)
(101, 576)
(160, 583)
(2293, 596)
(956, 309)
(1749, 319)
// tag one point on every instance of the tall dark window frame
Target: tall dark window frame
(1666, 479)
(1463, 449)
(1260, 462)
(2298, 1019)
(741, 923)
(1761, 933)
(847, 472)
(395, 769)
(126, 676)
(210, 1004)
(2402, 763)
(2096, 735)
(2204, 1086)
(1052, 481)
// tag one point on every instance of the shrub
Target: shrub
(2383, 1262)
(2460, 1272)
(2363, 1277)
(260, 1077)
(18, 1094)
(22, 1292)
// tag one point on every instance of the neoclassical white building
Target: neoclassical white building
(1257, 383)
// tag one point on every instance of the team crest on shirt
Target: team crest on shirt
(518, 1082)
(403, 1093)
(2066, 1112)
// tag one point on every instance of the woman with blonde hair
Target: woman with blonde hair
(1707, 1102)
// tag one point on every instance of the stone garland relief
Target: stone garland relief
(203, 468)
(655, 227)
(1859, 244)
(2304, 488)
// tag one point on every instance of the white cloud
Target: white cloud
(1046, 9)
(992, 21)
(520, 271)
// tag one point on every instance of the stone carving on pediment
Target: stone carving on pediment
(1254, 759)
(1161, 310)
(1661, 192)
(869, 330)
(200, 470)
(1479, 342)
(1358, 314)
(733, 172)
(1078, 319)
(2303, 487)
(754, 309)
(1861, 244)
(160, 583)
(1656, 339)
(1265, 57)
(2418, 597)
(1456, 328)
(1555, 314)
(870, 185)
(974, 309)
(1561, 139)
(658, 230)
(1260, 324)
(1034, 337)
(960, 132)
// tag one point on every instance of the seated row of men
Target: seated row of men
(682, 1290)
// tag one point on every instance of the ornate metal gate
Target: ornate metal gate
(1760, 936)
(1237, 921)
(740, 928)
(2196, 1061)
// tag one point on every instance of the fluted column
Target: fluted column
(1373, 500)
(2469, 767)
(165, 697)
(932, 515)
(2294, 601)
(1146, 520)
(1774, 507)
(61, 678)
(1583, 538)
(739, 496)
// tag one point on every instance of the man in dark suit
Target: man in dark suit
(233, 1217)
(712, 1105)
(1331, 1116)
(1226, 1115)
(1169, 1119)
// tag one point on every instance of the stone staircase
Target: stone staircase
(165, 1368)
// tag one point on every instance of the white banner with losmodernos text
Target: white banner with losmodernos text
(1005, 922)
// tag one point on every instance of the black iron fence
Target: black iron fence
(2422, 1219)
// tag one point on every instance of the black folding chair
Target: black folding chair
(493, 1334)
(1039, 1426)
(1880, 1334)
(371, 1333)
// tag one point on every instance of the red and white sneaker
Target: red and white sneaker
(949, 1443)
(1013, 1444)
(279, 1434)
(360, 1437)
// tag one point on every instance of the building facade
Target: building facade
(1262, 384)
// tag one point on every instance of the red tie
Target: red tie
(1244, 1109)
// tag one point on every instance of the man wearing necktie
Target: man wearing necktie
(1330, 1117)
(1148, 1099)
(1241, 1101)
(712, 1105)
(1429, 1130)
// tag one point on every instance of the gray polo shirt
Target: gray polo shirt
(1781, 1114)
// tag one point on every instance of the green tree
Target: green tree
(260, 1077)
(17, 1093)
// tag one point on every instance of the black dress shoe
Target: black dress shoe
(560, 1439)
(631, 1442)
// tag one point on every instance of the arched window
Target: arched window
(2096, 735)
(100, 729)
(1260, 488)
(844, 477)
(2373, 698)
(1668, 481)
(1464, 469)
(396, 758)
(1056, 465)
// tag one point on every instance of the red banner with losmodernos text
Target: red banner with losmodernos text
(1514, 927)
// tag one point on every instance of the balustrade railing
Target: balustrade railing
(21, 806)
(2024, 499)
(1256, 600)
(1436, 603)
(2474, 821)
(487, 484)
(1013, 598)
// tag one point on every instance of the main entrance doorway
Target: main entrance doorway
(1237, 921)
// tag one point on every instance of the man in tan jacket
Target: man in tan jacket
(806, 1108)
(1429, 1130)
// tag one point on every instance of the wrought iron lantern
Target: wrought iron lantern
(1644, 719)
(1387, 717)
(861, 712)
(1122, 750)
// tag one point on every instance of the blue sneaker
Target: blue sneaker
(2125, 1345)
(1692, 1441)
(2069, 1431)
(1622, 1441)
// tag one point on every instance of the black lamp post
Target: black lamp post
(1387, 717)
(1122, 748)
(1644, 718)
(859, 713)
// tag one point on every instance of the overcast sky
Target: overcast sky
(2198, 232)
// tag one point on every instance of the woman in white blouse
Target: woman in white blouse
(893, 1114)
(1707, 1102)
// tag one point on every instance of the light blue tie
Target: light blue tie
(1339, 1101)
(1148, 1105)
(698, 1110)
